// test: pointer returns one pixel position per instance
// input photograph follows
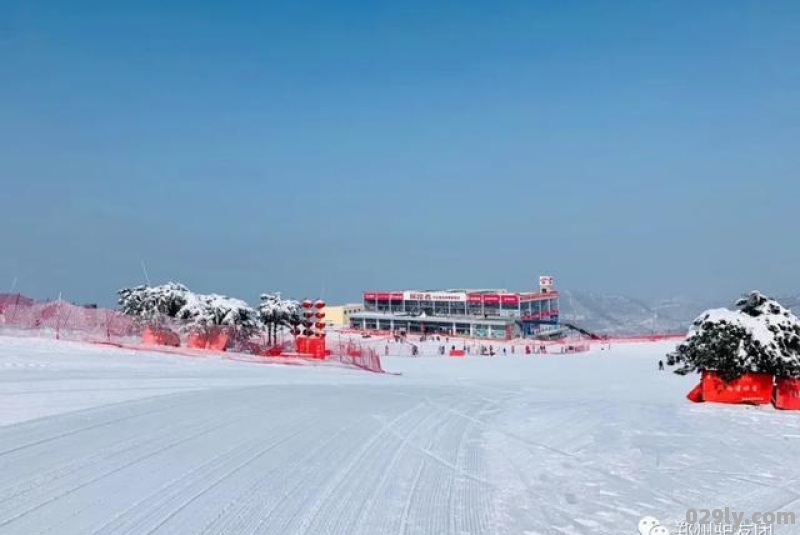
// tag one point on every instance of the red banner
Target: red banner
(751, 388)
(509, 299)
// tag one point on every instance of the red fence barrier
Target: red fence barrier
(64, 321)
(356, 354)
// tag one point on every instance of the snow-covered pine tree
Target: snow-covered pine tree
(762, 336)
(275, 311)
(784, 329)
(153, 303)
(203, 312)
(197, 312)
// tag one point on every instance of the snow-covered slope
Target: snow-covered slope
(111, 442)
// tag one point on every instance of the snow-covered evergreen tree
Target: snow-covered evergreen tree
(202, 312)
(762, 336)
(153, 303)
(275, 312)
(197, 312)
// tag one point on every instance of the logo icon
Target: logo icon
(649, 525)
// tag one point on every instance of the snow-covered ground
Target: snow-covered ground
(98, 440)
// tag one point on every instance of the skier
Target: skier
(661, 365)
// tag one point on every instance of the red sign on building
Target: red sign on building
(491, 299)
(509, 299)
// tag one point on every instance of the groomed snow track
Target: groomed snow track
(269, 459)
(100, 441)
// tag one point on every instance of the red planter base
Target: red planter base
(787, 394)
(696, 394)
(750, 388)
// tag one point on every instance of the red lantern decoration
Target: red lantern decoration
(307, 303)
(320, 315)
(319, 304)
(320, 325)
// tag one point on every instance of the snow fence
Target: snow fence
(61, 320)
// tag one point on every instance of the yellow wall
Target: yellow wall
(339, 315)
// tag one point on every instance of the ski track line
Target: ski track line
(172, 483)
(442, 461)
(373, 464)
(160, 490)
(301, 479)
(145, 441)
(137, 441)
(105, 474)
(262, 451)
(470, 524)
(253, 495)
(303, 476)
(413, 492)
(78, 430)
(583, 464)
(505, 432)
(431, 498)
(77, 466)
(344, 472)
(245, 414)
(101, 500)
(101, 453)
(367, 511)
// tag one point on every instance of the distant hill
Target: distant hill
(619, 314)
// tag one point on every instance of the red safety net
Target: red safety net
(356, 354)
(65, 321)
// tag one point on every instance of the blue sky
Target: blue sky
(646, 148)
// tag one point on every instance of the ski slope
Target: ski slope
(97, 441)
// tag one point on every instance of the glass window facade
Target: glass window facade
(492, 309)
(458, 309)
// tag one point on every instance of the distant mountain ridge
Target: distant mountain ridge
(619, 314)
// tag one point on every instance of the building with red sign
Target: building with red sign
(480, 313)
